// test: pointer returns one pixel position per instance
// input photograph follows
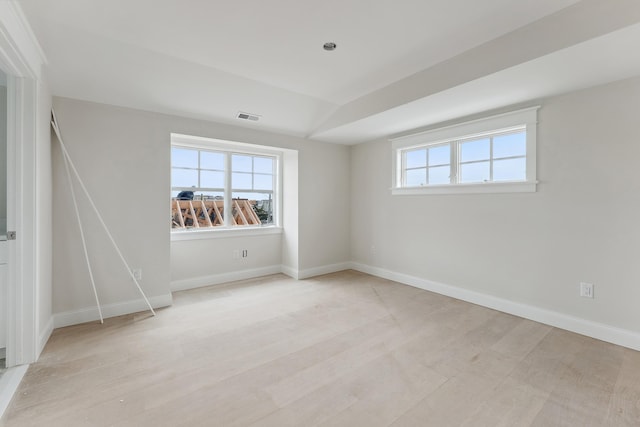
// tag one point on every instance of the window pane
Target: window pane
(511, 145)
(211, 179)
(209, 160)
(261, 205)
(415, 158)
(510, 170)
(264, 208)
(241, 181)
(439, 175)
(184, 157)
(474, 172)
(439, 155)
(263, 165)
(208, 195)
(262, 182)
(474, 150)
(241, 163)
(184, 178)
(416, 177)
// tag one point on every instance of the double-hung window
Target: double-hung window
(496, 154)
(218, 184)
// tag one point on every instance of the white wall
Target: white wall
(534, 249)
(324, 203)
(124, 157)
(196, 263)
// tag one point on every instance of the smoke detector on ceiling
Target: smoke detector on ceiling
(248, 116)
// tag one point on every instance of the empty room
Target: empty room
(295, 213)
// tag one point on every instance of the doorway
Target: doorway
(4, 250)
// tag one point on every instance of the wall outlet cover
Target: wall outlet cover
(586, 290)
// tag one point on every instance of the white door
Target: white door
(22, 61)
(3, 300)
(4, 249)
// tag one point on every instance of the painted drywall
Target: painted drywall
(324, 206)
(123, 156)
(535, 248)
(201, 261)
(290, 212)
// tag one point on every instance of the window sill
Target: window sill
(223, 233)
(478, 188)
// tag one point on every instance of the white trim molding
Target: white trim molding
(22, 59)
(45, 335)
(323, 269)
(90, 314)
(216, 279)
(224, 233)
(290, 271)
(9, 382)
(475, 188)
(20, 51)
(222, 278)
(611, 334)
(524, 120)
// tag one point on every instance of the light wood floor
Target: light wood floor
(345, 349)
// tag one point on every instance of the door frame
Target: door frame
(21, 60)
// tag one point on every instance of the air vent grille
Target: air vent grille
(248, 116)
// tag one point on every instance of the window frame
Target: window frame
(454, 136)
(229, 148)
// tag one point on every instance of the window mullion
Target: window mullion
(403, 168)
(199, 170)
(228, 209)
(453, 146)
(426, 163)
(491, 159)
(253, 173)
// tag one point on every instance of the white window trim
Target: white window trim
(224, 232)
(527, 117)
(203, 143)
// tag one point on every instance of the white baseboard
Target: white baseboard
(44, 337)
(622, 337)
(289, 271)
(90, 314)
(325, 269)
(215, 279)
(9, 382)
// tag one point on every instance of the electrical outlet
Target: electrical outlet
(137, 273)
(245, 253)
(586, 290)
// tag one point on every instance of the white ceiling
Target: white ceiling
(210, 59)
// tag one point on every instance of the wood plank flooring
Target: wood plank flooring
(345, 349)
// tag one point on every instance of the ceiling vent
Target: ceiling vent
(248, 116)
